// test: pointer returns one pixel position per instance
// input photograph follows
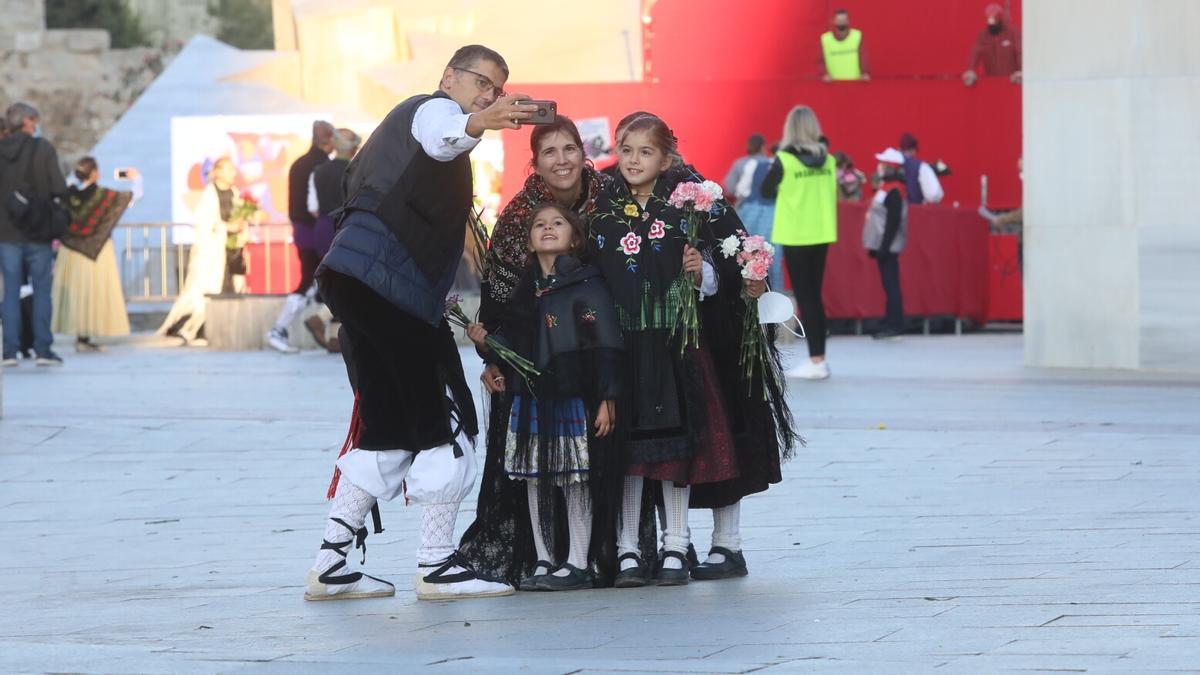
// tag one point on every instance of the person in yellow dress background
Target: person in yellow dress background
(87, 297)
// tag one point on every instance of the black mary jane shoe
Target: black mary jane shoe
(634, 577)
(530, 583)
(734, 565)
(673, 577)
(576, 580)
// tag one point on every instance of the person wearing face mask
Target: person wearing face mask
(885, 232)
(88, 301)
(843, 55)
(399, 241)
(29, 164)
(997, 50)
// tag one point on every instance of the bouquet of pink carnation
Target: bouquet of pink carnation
(696, 200)
(754, 255)
(523, 366)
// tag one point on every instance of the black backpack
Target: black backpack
(40, 219)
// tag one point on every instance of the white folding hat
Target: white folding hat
(890, 156)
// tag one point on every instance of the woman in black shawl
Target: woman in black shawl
(87, 297)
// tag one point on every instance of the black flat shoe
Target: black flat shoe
(577, 580)
(733, 566)
(634, 577)
(530, 582)
(673, 577)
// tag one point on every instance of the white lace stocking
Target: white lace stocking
(539, 542)
(726, 531)
(579, 521)
(631, 512)
(675, 534)
(351, 504)
(437, 532)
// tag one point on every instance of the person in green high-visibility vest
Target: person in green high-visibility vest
(843, 56)
(803, 183)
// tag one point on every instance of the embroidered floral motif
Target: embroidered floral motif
(658, 230)
(631, 210)
(631, 244)
(551, 321)
(589, 315)
(599, 241)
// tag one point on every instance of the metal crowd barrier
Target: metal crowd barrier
(153, 263)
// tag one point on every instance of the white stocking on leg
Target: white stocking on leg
(443, 574)
(579, 520)
(351, 504)
(675, 534)
(535, 520)
(631, 513)
(726, 531)
(437, 533)
(662, 521)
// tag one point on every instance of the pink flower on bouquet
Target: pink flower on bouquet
(683, 195)
(757, 270)
(755, 243)
(707, 194)
(631, 244)
(658, 230)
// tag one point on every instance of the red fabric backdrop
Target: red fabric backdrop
(943, 268)
(689, 40)
(720, 71)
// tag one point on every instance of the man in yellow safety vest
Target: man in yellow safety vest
(843, 56)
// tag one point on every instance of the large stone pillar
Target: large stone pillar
(1112, 180)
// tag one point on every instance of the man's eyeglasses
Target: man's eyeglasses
(484, 83)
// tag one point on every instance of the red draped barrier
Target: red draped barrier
(1005, 294)
(274, 267)
(944, 269)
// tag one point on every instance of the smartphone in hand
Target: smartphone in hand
(546, 113)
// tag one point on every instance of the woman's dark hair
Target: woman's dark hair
(579, 236)
(561, 124)
(660, 134)
(84, 168)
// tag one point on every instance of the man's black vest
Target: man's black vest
(327, 180)
(422, 201)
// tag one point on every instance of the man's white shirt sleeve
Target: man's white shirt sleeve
(441, 127)
(931, 187)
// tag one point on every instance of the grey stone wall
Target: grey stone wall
(79, 85)
(23, 24)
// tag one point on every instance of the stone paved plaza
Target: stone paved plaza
(954, 511)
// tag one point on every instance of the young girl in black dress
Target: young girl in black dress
(563, 420)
